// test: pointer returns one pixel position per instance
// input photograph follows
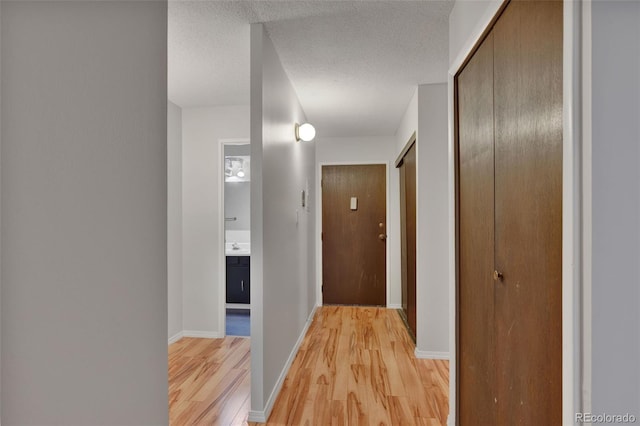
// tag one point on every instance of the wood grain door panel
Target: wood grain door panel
(528, 209)
(476, 393)
(403, 241)
(408, 235)
(354, 266)
(509, 220)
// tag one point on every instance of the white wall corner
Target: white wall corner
(262, 416)
(176, 337)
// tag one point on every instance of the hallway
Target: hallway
(355, 366)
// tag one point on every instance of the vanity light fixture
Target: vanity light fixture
(305, 132)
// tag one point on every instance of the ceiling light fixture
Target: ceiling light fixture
(305, 132)
(240, 173)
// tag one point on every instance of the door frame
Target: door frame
(319, 300)
(222, 258)
(576, 211)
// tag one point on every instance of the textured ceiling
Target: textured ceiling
(354, 64)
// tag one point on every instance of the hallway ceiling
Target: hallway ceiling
(354, 64)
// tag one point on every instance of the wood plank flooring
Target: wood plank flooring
(355, 367)
(209, 381)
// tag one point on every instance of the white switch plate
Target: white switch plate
(354, 203)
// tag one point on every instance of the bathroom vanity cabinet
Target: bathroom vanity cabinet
(238, 279)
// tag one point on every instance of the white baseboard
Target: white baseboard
(431, 355)
(262, 416)
(394, 306)
(176, 337)
(256, 416)
(202, 334)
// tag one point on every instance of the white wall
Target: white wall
(427, 116)
(237, 201)
(174, 218)
(0, 218)
(358, 150)
(202, 129)
(432, 221)
(282, 257)
(84, 213)
(465, 21)
(408, 124)
(616, 207)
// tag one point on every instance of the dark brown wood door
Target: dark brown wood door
(408, 235)
(354, 266)
(509, 106)
(528, 209)
(476, 342)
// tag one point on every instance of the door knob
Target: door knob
(382, 237)
(497, 276)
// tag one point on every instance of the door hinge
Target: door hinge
(321, 183)
(321, 236)
(322, 288)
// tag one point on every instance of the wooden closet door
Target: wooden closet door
(476, 342)
(528, 212)
(408, 235)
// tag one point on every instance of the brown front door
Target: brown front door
(407, 167)
(354, 268)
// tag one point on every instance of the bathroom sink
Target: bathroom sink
(237, 249)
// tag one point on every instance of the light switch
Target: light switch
(354, 203)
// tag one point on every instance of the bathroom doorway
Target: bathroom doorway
(236, 196)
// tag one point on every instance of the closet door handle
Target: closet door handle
(242, 284)
(497, 276)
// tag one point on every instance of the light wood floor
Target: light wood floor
(355, 367)
(209, 381)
